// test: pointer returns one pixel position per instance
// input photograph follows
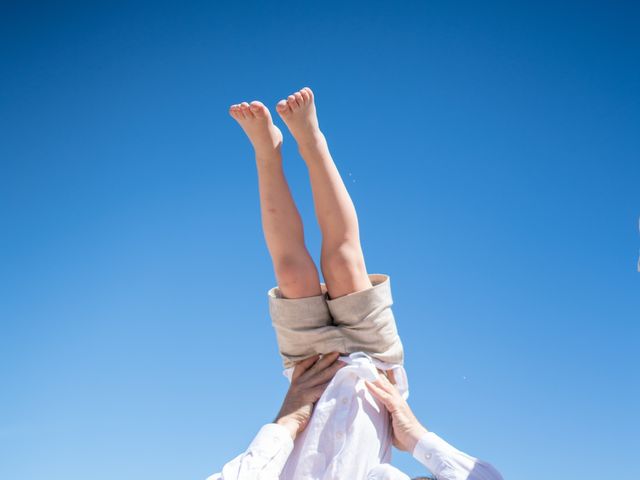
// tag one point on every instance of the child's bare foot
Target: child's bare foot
(256, 122)
(299, 113)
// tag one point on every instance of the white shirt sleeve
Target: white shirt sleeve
(384, 471)
(448, 463)
(263, 460)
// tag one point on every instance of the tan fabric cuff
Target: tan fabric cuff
(358, 322)
(367, 322)
(303, 327)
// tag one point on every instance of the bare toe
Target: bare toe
(259, 109)
(282, 107)
(291, 100)
(299, 98)
(244, 106)
(234, 112)
(309, 92)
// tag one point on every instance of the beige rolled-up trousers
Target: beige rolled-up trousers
(358, 322)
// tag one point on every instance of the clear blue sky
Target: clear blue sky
(492, 150)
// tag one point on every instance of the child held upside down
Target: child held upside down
(340, 417)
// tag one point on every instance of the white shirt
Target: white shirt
(348, 437)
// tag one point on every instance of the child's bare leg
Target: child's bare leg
(295, 271)
(342, 260)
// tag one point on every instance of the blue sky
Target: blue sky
(492, 152)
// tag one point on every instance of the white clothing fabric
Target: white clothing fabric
(269, 450)
(263, 460)
(348, 438)
(349, 432)
(448, 463)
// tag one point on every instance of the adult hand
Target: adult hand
(310, 378)
(407, 430)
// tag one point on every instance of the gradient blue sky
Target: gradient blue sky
(491, 149)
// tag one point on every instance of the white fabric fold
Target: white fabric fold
(349, 432)
(366, 367)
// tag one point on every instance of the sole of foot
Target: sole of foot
(255, 120)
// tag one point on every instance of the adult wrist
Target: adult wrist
(415, 435)
(289, 424)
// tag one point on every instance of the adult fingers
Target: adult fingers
(303, 365)
(321, 364)
(325, 375)
(384, 383)
(317, 391)
(391, 375)
(380, 394)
